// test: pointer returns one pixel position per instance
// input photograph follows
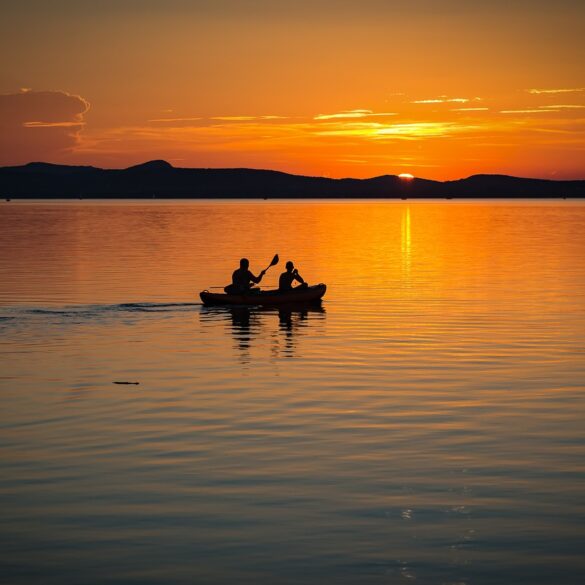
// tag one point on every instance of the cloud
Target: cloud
(353, 114)
(563, 107)
(354, 161)
(443, 100)
(199, 122)
(469, 109)
(52, 124)
(527, 111)
(421, 130)
(407, 131)
(234, 118)
(569, 90)
(39, 125)
(175, 119)
(246, 118)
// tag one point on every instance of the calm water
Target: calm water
(426, 425)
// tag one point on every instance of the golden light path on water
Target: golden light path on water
(406, 242)
(425, 424)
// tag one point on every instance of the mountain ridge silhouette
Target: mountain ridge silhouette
(158, 178)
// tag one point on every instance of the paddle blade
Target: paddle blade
(274, 260)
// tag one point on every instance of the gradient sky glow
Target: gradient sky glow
(441, 90)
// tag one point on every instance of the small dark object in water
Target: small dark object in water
(136, 383)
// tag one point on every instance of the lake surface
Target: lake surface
(425, 425)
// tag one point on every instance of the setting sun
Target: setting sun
(406, 176)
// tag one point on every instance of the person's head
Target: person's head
(289, 266)
(244, 263)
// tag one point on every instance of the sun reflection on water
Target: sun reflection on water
(406, 245)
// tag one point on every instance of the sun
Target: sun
(406, 176)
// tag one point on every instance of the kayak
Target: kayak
(309, 294)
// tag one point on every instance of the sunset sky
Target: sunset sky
(441, 90)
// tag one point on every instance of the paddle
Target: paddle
(273, 263)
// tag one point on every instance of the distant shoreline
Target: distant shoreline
(127, 199)
(160, 180)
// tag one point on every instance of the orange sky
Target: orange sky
(441, 90)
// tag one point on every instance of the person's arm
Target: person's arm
(257, 279)
(298, 277)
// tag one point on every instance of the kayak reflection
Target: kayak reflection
(256, 329)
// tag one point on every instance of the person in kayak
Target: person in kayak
(242, 277)
(287, 278)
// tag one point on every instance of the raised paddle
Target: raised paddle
(273, 263)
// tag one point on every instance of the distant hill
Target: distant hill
(160, 179)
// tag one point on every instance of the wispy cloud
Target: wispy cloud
(469, 109)
(563, 107)
(527, 111)
(413, 130)
(353, 114)
(564, 90)
(234, 118)
(175, 119)
(442, 100)
(246, 118)
(422, 129)
(201, 121)
(53, 124)
(356, 161)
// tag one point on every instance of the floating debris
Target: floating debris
(135, 383)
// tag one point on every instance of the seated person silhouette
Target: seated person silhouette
(287, 278)
(241, 279)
